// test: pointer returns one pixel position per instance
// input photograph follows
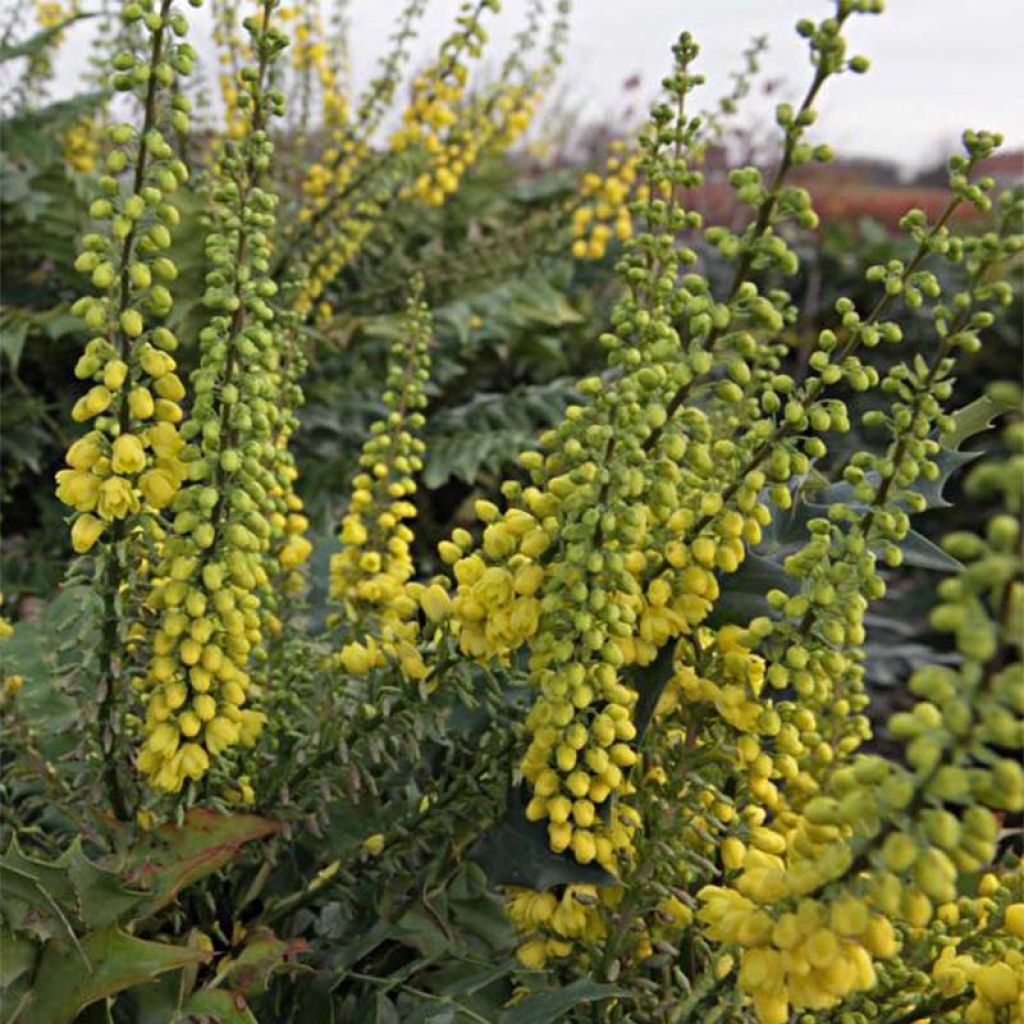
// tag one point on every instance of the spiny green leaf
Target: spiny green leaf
(919, 551)
(517, 852)
(490, 430)
(219, 1005)
(547, 1007)
(743, 592)
(40, 41)
(264, 954)
(17, 955)
(975, 417)
(174, 856)
(65, 984)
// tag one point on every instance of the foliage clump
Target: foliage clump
(606, 754)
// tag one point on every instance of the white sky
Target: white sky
(938, 66)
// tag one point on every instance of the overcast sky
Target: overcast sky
(938, 66)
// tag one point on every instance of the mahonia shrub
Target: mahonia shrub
(608, 753)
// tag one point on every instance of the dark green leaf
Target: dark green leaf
(220, 1005)
(919, 551)
(517, 852)
(548, 1007)
(102, 897)
(743, 592)
(976, 417)
(17, 955)
(65, 983)
(40, 41)
(174, 856)
(264, 955)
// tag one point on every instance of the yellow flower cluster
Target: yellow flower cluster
(81, 145)
(517, 589)
(332, 254)
(10, 683)
(997, 989)
(818, 894)
(601, 210)
(495, 608)
(617, 540)
(233, 53)
(371, 575)
(310, 59)
(555, 922)
(444, 131)
(734, 686)
(129, 463)
(431, 121)
(808, 958)
(215, 568)
(288, 517)
(454, 131)
(50, 13)
(290, 548)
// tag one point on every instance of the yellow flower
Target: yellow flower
(435, 602)
(1013, 920)
(95, 401)
(250, 725)
(140, 402)
(116, 499)
(114, 374)
(220, 733)
(194, 761)
(998, 984)
(295, 551)
(156, 363)
(157, 487)
(528, 909)
(164, 439)
(85, 451)
(373, 845)
(128, 455)
(85, 532)
(533, 954)
(78, 489)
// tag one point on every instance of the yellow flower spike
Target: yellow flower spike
(371, 576)
(211, 586)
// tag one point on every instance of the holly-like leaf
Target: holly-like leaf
(742, 596)
(517, 852)
(27, 904)
(40, 41)
(17, 955)
(220, 1006)
(977, 416)
(174, 856)
(264, 954)
(62, 898)
(547, 1007)
(101, 895)
(66, 983)
(919, 551)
